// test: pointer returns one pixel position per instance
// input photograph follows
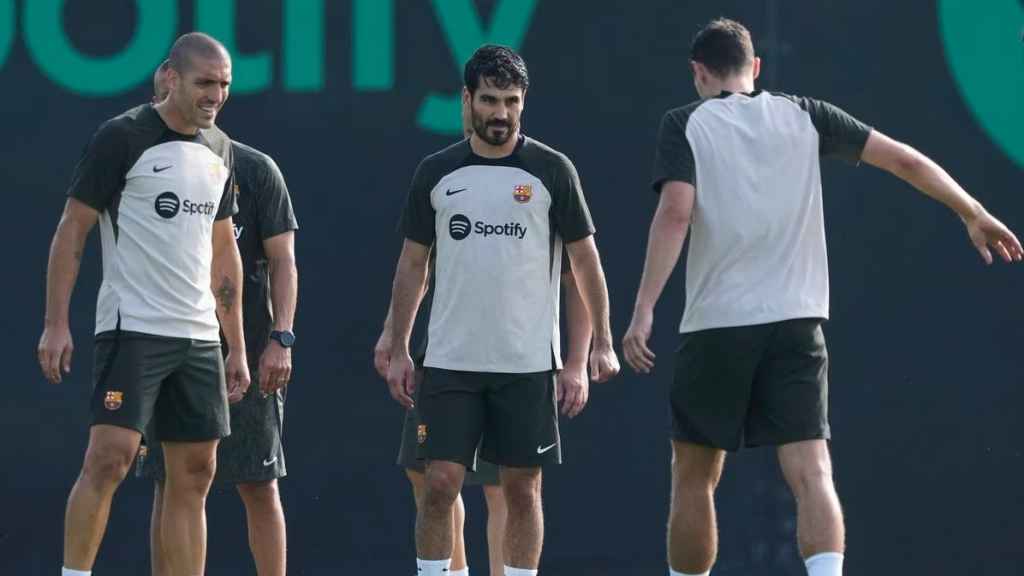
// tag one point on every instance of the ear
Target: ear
(467, 98)
(756, 67)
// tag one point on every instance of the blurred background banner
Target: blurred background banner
(347, 96)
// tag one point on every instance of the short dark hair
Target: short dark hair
(724, 46)
(193, 44)
(500, 65)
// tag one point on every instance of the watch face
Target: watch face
(286, 338)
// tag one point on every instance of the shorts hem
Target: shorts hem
(783, 439)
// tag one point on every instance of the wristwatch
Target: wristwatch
(284, 337)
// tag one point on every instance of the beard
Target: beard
(494, 132)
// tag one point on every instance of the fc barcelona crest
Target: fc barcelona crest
(522, 193)
(113, 400)
(421, 433)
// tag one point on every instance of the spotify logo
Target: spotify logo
(167, 205)
(459, 227)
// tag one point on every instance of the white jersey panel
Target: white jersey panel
(157, 263)
(757, 247)
(494, 244)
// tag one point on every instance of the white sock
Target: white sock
(510, 571)
(463, 572)
(672, 572)
(70, 572)
(825, 564)
(433, 567)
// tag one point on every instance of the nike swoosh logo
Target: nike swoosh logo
(453, 192)
(269, 462)
(157, 169)
(543, 450)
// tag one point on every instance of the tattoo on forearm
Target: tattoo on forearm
(226, 293)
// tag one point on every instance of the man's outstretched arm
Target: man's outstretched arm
(986, 232)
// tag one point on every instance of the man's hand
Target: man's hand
(573, 389)
(54, 352)
(275, 367)
(237, 374)
(401, 378)
(634, 343)
(382, 354)
(986, 232)
(604, 364)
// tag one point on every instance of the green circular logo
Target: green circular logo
(986, 57)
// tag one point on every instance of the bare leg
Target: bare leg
(692, 530)
(158, 560)
(497, 515)
(434, 530)
(524, 527)
(417, 479)
(265, 518)
(108, 458)
(190, 467)
(808, 471)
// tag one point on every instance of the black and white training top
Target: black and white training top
(158, 193)
(757, 236)
(497, 227)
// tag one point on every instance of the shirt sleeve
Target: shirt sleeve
(418, 216)
(673, 157)
(841, 135)
(229, 198)
(569, 210)
(275, 207)
(100, 173)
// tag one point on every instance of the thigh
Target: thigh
(128, 373)
(451, 410)
(193, 405)
(711, 388)
(522, 420)
(253, 453)
(790, 396)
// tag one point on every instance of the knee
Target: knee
(441, 488)
(195, 473)
(107, 465)
(262, 495)
(690, 477)
(810, 478)
(522, 490)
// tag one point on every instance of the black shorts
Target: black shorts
(173, 386)
(512, 418)
(252, 453)
(486, 474)
(752, 385)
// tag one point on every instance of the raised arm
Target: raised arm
(913, 167)
(55, 345)
(664, 243)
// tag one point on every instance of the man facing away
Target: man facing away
(740, 167)
(158, 181)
